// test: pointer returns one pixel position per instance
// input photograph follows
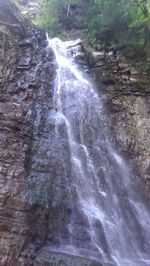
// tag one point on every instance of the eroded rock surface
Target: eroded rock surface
(23, 70)
(127, 96)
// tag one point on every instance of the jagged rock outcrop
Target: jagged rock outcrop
(127, 96)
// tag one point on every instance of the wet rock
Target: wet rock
(46, 258)
(27, 42)
(21, 76)
(127, 98)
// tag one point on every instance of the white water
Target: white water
(118, 222)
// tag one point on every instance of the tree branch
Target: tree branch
(140, 6)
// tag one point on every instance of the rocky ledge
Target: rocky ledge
(126, 92)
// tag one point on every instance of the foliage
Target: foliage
(113, 22)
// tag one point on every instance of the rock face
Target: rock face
(29, 197)
(127, 97)
(22, 52)
(30, 8)
(29, 201)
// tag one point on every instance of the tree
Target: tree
(112, 22)
(144, 6)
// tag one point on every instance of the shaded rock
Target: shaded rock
(22, 53)
(47, 258)
(127, 97)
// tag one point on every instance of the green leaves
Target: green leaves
(113, 22)
(140, 22)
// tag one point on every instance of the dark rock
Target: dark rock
(129, 91)
(21, 77)
(48, 258)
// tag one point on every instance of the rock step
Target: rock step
(51, 258)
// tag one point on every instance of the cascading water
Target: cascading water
(106, 218)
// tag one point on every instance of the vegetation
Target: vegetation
(115, 23)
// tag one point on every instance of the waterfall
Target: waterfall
(102, 215)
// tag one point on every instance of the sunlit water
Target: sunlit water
(117, 223)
